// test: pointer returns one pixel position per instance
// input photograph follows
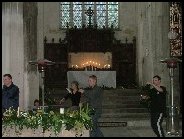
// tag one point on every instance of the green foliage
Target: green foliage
(70, 120)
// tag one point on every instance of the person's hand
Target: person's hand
(68, 89)
(81, 90)
(144, 97)
(61, 101)
(149, 83)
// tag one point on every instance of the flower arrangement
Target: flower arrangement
(145, 92)
(52, 121)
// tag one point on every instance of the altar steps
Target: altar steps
(120, 107)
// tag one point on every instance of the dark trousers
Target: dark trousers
(156, 124)
(95, 132)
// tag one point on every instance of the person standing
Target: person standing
(94, 97)
(157, 105)
(10, 93)
(74, 95)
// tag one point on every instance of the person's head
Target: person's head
(36, 102)
(92, 81)
(156, 80)
(7, 79)
(75, 85)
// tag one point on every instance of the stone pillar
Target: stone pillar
(152, 42)
(31, 74)
(13, 44)
(19, 45)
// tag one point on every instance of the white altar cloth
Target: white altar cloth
(106, 78)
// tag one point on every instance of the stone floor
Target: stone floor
(129, 132)
(136, 128)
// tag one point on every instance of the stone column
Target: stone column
(153, 43)
(31, 74)
(13, 44)
(19, 45)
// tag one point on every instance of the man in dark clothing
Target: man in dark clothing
(94, 97)
(10, 93)
(157, 106)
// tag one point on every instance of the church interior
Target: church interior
(124, 44)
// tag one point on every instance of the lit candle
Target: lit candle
(18, 112)
(62, 110)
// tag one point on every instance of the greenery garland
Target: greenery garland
(77, 120)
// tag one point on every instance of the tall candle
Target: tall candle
(18, 112)
(62, 110)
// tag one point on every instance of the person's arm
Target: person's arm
(65, 98)
(164, 89)
(13, 92)
(83, 91)
(86, 94)
(62, 100)
(156, 87)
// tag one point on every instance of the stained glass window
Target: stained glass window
(74, 14)
(176, 26)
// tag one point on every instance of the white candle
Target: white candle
(18, 112)
(62, 110)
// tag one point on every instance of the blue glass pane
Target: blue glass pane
(100, 22)
(65, 18)
(100, 13)
(77, 7)
(101, 7)
(90, 3)
(65, 7)
(113, 7)
(113, 19)
(77, 3)
(65, 3)
(87, 20)
(101, 3)
(86, 7)
(109, 3)
(65, 14)
(77, 18)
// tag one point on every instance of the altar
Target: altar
(104, 78)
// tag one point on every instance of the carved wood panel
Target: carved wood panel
(89, 40)
(55, 75)
(124, 62)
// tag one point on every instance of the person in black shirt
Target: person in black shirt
(74, 95)
(157, 105)
(10, 94)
